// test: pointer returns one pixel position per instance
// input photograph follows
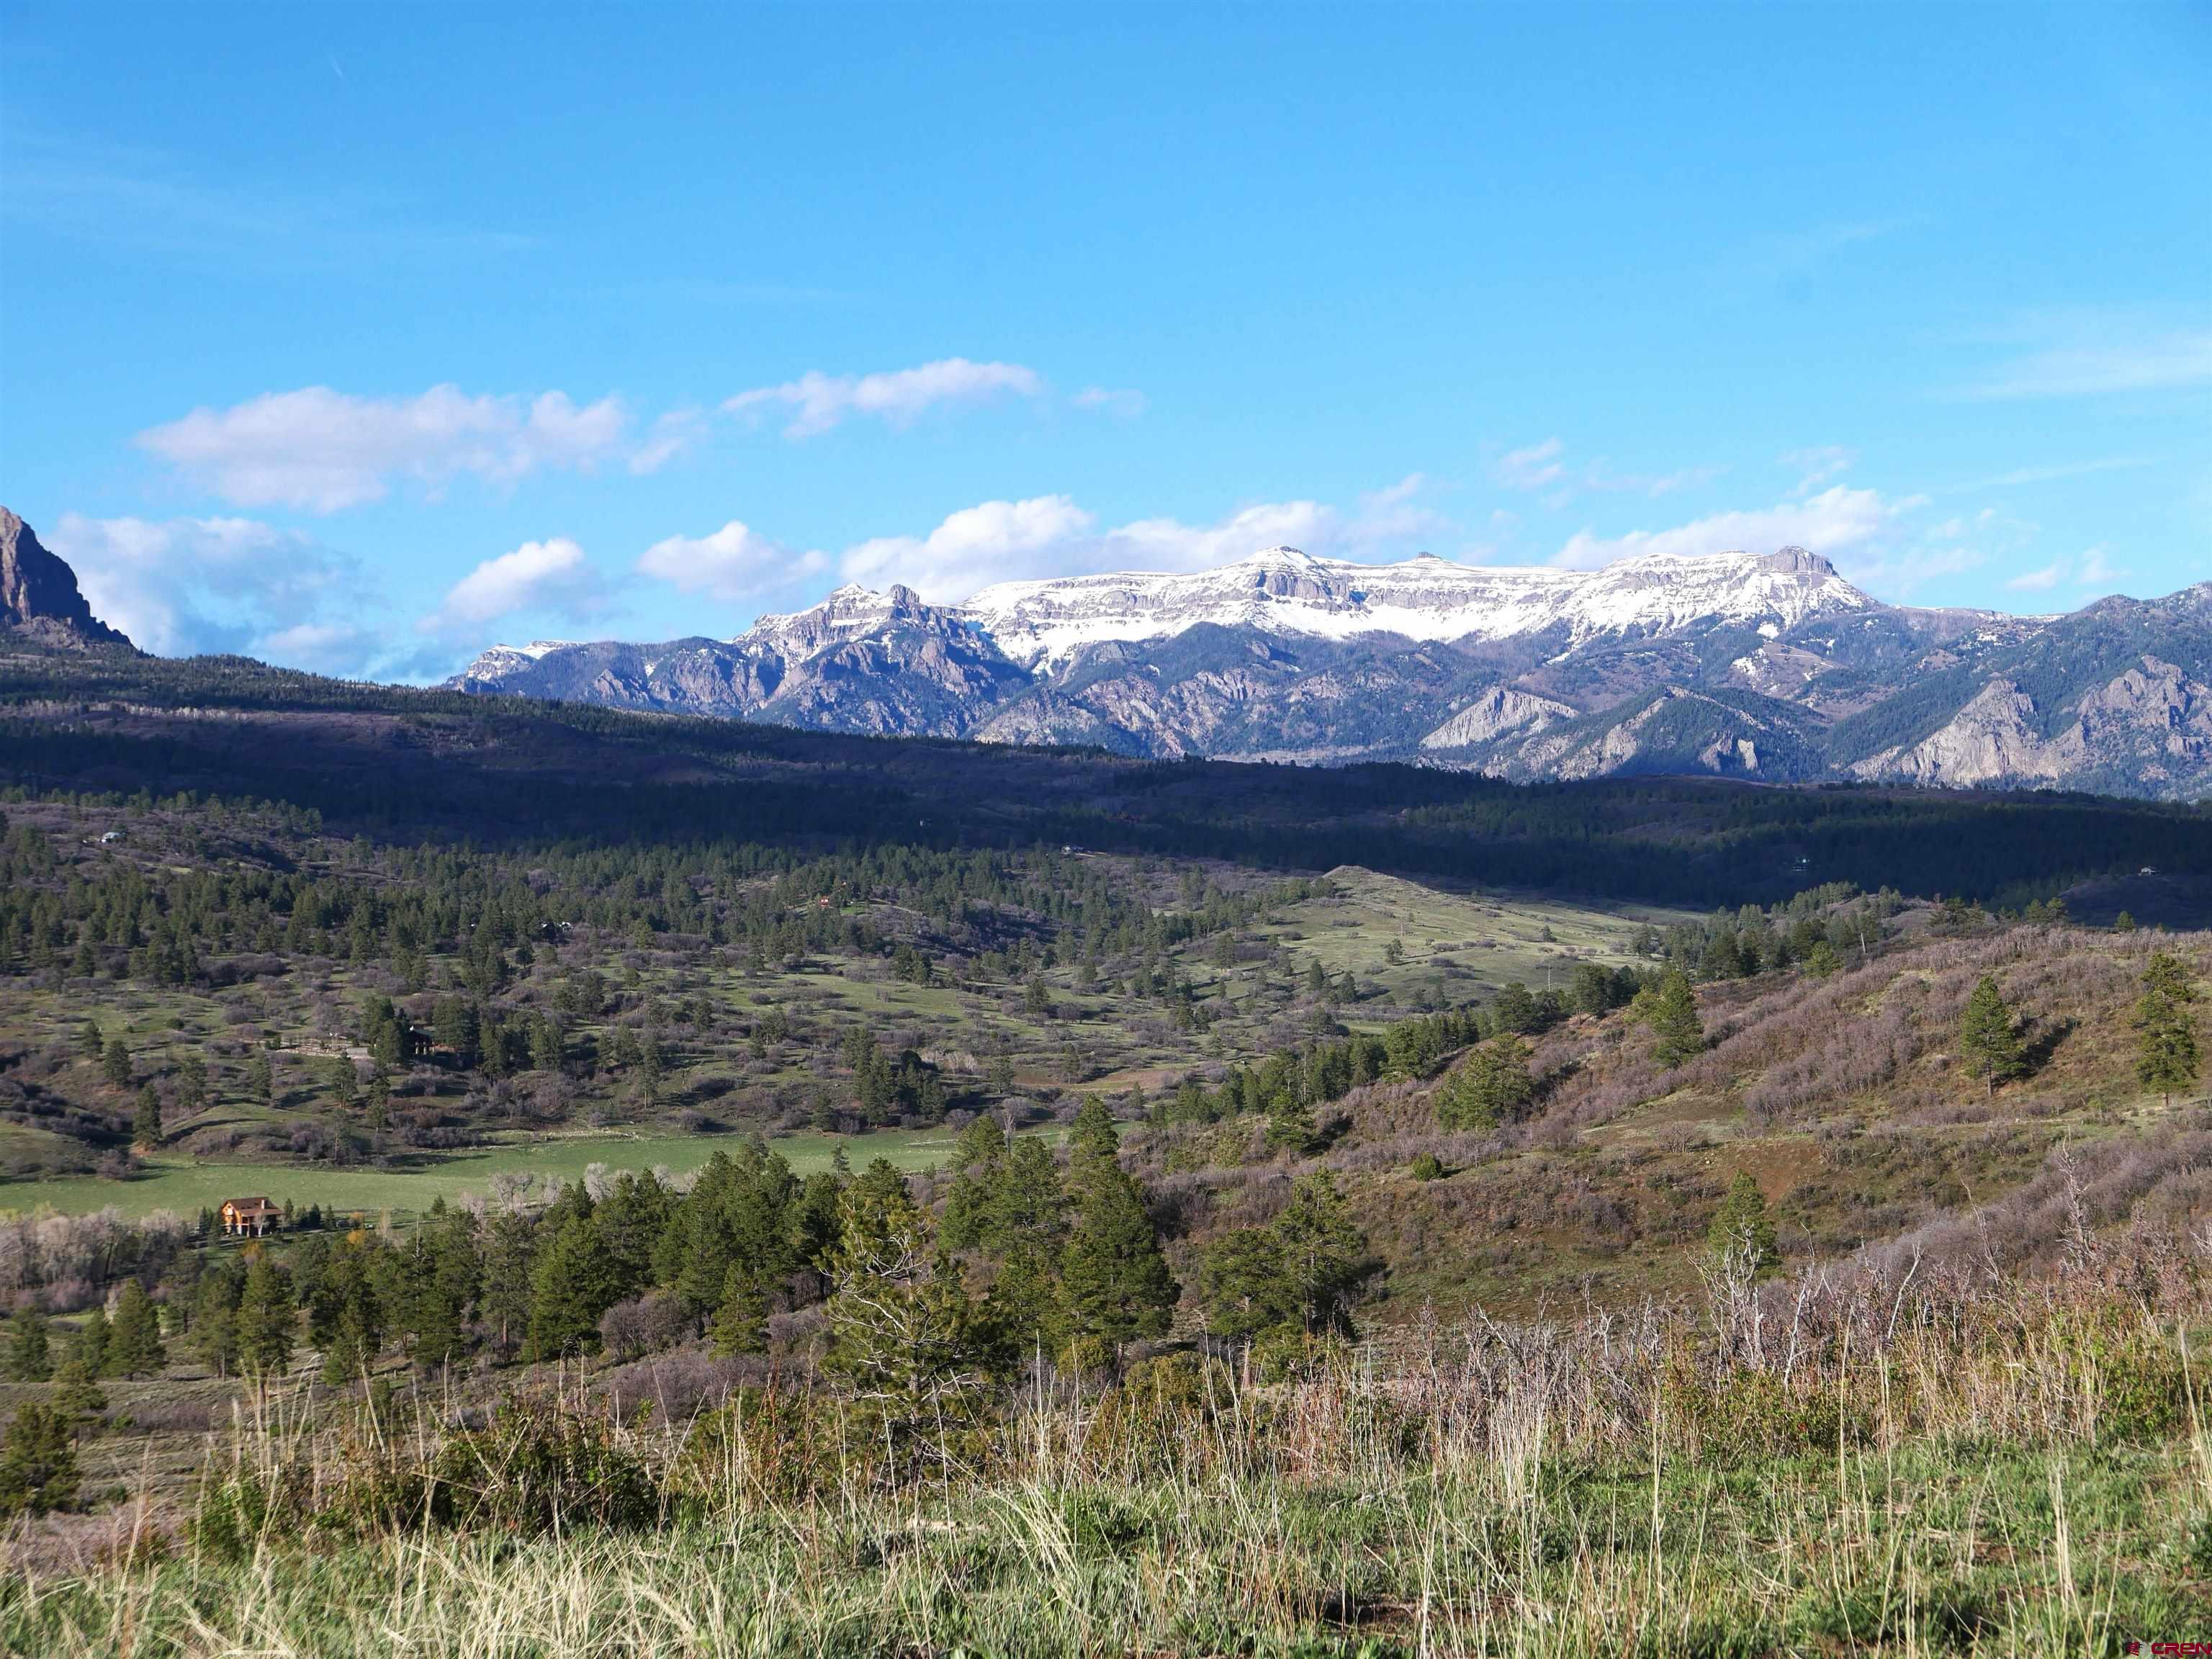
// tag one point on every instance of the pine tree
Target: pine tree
(38, 1466)
(740, 1323)
(260, 1078)
(265, 1324)
(1322, 1250)
(1290, 1122)
(1028, 1204)
(1741, 1226)
(1025, 1307)
(901, 1328)
(1493, 1086)
(191, 1083)
(30, 1354)
(1299, 1273)
(75, 1393)
(91, 1345)
(134, 1344)
(2168, 1054)
(1988, 1036)
(2168, 976)
(1092, 1135)
(345, 1316)
(1116, 1281)
(509, 1261)
(116, 1063)
(576, 1280)
(977, 1158)
(814, 1218)
(1243, 1286)
(212, 1336)
(146, 1121)
(1671, 1011)
(443, 1275)
(1515, 1009)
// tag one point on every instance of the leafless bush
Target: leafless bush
(643, 1325)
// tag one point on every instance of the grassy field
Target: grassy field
(186, 1186)
(1544, 1493)
(1470, 939)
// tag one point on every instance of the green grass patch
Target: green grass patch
(188, 1185)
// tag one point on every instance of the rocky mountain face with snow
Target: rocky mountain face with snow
(1768, 667)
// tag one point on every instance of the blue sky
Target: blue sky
(362, 336)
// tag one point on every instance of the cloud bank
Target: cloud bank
(320, 450)
(547, 575)
(185, 587)
(819, 403)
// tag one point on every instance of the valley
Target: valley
(674, 1129)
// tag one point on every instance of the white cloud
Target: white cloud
(552, 575)
(322, 450)
(733, 563)
(672, 433)
(820, 402)
(336, 648)
(2085, 354)
(1596, 476)
(1544, 467)
(182, 587)
(1396, 515)
(1126, 402)
(1053, 535)
(1819, 464)
(1897, 575)
(1837, 520)
(992, 542)
(1533, 467)
(2093, 570)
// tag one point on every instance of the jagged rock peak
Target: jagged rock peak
(39, 591)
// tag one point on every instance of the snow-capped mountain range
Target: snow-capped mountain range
(1282, 591)
(1768, 665)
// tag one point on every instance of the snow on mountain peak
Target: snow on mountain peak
(1285, 589)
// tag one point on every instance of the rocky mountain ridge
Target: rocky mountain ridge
(1769, 666)
(1765, 667)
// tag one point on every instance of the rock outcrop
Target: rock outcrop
(39, 594)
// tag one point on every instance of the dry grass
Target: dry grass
(1927, 1462)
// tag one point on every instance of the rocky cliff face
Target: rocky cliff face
(857, 662)
(2151, 725)
(39, 595)
(1767, 666)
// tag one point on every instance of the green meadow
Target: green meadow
(188, 1185)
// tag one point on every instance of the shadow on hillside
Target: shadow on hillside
(2040, 1042)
